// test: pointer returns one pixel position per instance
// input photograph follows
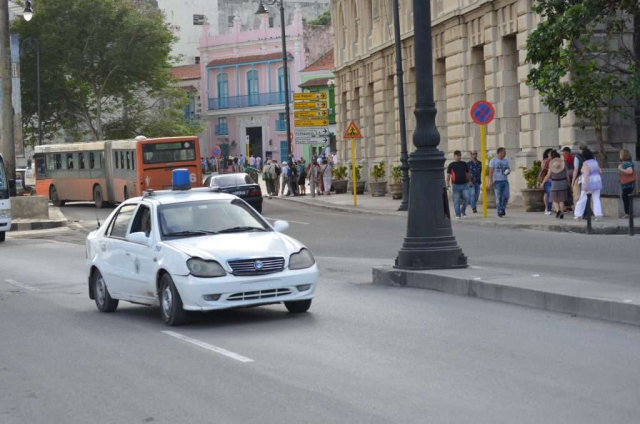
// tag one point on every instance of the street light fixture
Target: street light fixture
(27, 14)
(262, 12)
(429, 243)
(30, 44)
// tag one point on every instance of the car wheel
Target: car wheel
(55, 197)
(298, 306)
(2, 236)
(97, 197)
(104, 302)
(171, 308)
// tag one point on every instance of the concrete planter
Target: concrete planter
(378, 189)
(359, 187)
(340, 186)
(533, 199)
(396, 190)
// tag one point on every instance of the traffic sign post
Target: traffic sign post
(312, 118)
(309, 96)
(353, 132)
(482, 113)
(312, 123)
(323, 113)
(310, 105)
(312, 140)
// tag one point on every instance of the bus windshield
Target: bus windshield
(179, 151)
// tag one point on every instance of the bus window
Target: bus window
(41, 169)
(168, 152)
(133, 160)
(59, 162)
(121, 160)
(92, 160)
(100, 160)
(115, 154)
(51, 163)
(80, 160)
(69, 161)
(128, 161)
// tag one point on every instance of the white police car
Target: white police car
(195, 250)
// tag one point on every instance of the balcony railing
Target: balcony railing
(281, 125)
(261, 99)
(222, 129)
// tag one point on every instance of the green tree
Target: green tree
(102, 65)
(584, 59)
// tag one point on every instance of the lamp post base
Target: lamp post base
(425, 253)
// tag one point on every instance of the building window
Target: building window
(223, 90)
(253, 87)
(197, 60)
(270, 21)
(198, 19)
(231, 18)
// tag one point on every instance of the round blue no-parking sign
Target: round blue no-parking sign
(482, 112)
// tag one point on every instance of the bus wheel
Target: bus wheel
(54, 197)
(2, 236)
(97, 197)
(126, 193)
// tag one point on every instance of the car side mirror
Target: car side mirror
(281, 226)
(138, 238)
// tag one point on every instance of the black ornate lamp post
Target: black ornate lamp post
(429, 243)
(30, 44)
(404, 158)
(262, 11)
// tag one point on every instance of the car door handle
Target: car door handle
(128, 254)
(103, 247)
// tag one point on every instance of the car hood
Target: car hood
(226, 247)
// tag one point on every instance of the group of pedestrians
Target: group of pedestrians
(465, 181)
(290, 178)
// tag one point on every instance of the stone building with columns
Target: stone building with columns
(479, 54)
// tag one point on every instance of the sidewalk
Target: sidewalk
(516, 217)
(56, 219)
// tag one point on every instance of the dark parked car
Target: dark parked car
(240, 184)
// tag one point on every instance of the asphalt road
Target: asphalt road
(364, 353)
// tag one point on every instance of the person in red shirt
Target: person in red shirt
(568, 163)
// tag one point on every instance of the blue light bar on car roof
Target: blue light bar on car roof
(180, 179)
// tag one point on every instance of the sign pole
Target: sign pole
(483, 153)
(353, 171)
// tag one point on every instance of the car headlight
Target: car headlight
(5, 213)
(301, 260)
(205, 269)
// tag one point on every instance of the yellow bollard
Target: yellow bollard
(353, 171)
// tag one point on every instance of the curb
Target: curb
(37, 225)
(625, 311)
(342, 208)
(575, 229)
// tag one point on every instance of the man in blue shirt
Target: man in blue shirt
(475, 169)
(498, 172)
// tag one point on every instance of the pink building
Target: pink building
(243, 88)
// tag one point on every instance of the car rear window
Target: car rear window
(232, 180)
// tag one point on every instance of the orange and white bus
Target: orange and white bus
(114, 170)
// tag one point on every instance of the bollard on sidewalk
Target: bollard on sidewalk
(588, 213)
(631, 224)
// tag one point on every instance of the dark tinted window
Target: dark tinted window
(121, 221)
(232, 180)
(142, 221)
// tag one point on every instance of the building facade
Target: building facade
(243, 84)
(479, 54)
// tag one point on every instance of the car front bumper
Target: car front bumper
(236, 292)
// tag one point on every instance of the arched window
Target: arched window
(253, 87)
(355, 17)
(281, 90)
(223, 90)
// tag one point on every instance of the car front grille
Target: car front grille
(258, 295)
(258, 266)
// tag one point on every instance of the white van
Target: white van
(5, 202)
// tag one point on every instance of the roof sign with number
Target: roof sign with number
(352, 131)
(482, 112)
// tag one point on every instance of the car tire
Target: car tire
(103, 299)
(2, 236)
(171, 309)
(97, 197)
(298, 306)
(55, 197)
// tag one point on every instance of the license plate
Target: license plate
(240, 193)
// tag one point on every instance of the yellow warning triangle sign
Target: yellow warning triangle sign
(352, 131)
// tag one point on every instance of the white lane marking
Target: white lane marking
(22, 286)
(288, 220)
(208, 346)
(628, 301)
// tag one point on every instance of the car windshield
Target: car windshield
(192, 219)
(232, 180)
